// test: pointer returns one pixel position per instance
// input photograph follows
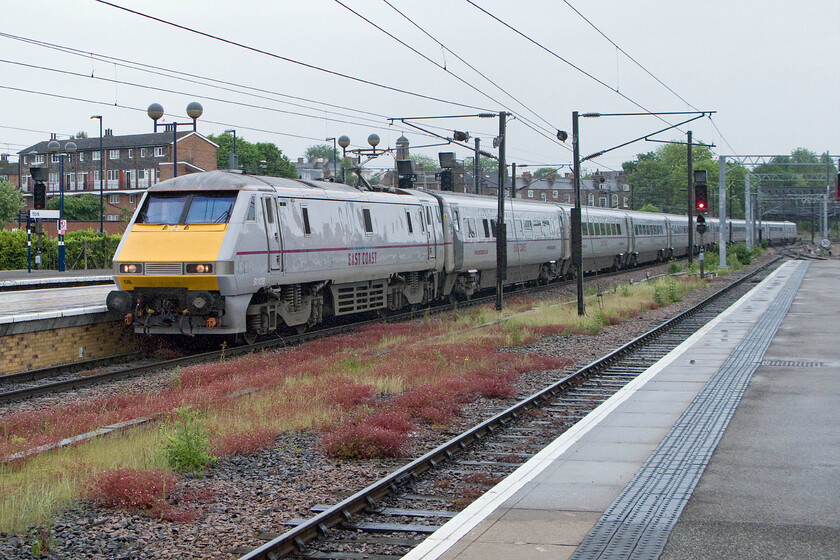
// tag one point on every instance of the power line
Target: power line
(443, 66)
(140, 109)
(286, 59)
(179, 75)
(639, 64)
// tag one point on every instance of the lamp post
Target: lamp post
(343, 141)
(101, 177)
(194, 110)
(69, 150)
(233, 159)
(334, 157)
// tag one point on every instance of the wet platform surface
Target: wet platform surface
(726, 448)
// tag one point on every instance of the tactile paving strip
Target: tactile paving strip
(639, 521)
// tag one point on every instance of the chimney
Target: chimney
(300, 160)
(109, 132)
(526, 178)
(4, 158)
(53, 136)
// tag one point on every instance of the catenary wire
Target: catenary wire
(625, 53)
(470, 66)
(290, 60)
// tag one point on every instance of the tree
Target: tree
(424, 163)
(649, 208)
(544, 172)
(251, 156)
(321, 151)
(11, 201)
(488, 166)
(80, 134)
(83, 208)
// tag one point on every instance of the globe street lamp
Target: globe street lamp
(101, 176)
(343, 141)
(69, 149)
(194, 110)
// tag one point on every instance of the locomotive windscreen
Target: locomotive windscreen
(170, 208)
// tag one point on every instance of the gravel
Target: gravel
(244, 497)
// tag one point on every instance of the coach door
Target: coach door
(431, 232)
(272, 234)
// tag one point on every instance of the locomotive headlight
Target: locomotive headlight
(131, 268)
(199, 268)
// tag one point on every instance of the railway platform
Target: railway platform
(49, 318)
(726, 448)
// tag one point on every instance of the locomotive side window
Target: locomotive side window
(252, 210)
(306, 229)
(408, 219)
(493, 227)
(428, 216)
(456, 219)
(368, 220)
(486, 227)
(269, 211)
(470, 227)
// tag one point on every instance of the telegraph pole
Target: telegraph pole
(690, 203)
(477, 166)
(501, 229)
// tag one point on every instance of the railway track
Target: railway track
(389, 517)
(57, 379)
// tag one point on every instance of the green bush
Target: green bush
(187, 447)
(100, 249)
(674, 267)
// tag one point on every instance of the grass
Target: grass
(366, 394)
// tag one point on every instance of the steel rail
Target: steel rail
(295, 539)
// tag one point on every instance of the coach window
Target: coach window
(493, 227)
(456, 219)
(408, 219)
(306, 229)
(428, 216)
(368, 220)
(528, 231)
(486, 227)
(471, 228)
(420, 220)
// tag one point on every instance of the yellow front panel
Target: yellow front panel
(176, 243)
(156, 243)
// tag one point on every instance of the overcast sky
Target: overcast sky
(768, 67)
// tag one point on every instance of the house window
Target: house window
(130, 153)
(131, 199)
(96, 175)
(113, 218)
(530, 193)
(553, 194)
(81, 156)
(602, 201)
(113, 174)
(542, 197)
(368, 220)
(591, 199)
(55, 158)
(142, 152)
(615, 201)
(114, 154)
(113, 199)
(567, 198)
(96, 156)
(160, 151)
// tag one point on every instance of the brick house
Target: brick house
(9, 171)
(131, 164)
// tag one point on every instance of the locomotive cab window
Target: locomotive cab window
(408, 220)
(167, 208)
(486, 227)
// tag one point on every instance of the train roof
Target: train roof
(227, 180)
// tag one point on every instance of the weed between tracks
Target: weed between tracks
(366, 393)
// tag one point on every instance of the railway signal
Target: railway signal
(701, 192)
(446, 180)
(39, 190)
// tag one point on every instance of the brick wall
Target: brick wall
(34, 350)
